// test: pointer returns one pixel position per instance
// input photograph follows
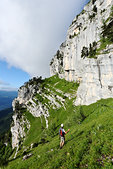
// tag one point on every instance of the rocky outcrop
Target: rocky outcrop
(37, 99)
(97, 79)
(18, 130)
(26, 99)
(77, 60)
(94, 73)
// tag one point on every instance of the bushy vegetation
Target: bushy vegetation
(52, 61)
(91, 16)
(84, 52)
(5, 120)
(107, 32)
(89, 143)
(93, 1)
(5, 135)
(59, 55)
(89, 52)
(72, 36)
(92, 50)
(5, 148)
(106, 38)
(33, 81)
(95, 9)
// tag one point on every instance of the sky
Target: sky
(31, 32)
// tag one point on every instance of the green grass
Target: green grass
(89, 144)
(107, 32)
(61, 84)
(36, 128)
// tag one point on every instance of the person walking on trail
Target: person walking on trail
(62, 133)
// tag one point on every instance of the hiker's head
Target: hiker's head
(62, 125)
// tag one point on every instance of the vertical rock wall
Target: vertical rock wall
(93, 74)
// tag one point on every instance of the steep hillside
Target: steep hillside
(87, 54)
(85, 59)
(89, 143)
(40, 98)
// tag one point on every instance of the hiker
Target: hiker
(62, 133)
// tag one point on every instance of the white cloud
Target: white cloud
(32, 30)
(2, 88)
(3, 83)
(6, 86)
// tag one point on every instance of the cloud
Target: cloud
(4, 83)
(6, 86)
(8, 89)
(32, 30)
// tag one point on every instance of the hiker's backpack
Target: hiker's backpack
(61, 132)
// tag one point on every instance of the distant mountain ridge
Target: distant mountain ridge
(43, 105)
(6, 111)
(6, 98)
(5, 119)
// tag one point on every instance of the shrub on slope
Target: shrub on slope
(89, 144)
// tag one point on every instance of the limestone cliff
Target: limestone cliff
(37, 97)
(87, 54)
(86, 57)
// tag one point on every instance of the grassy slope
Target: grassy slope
(89, 144)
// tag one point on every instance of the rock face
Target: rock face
(26, 99)
(95, 75)
(80, 58)
(97, 79)
(18, 130)
(37, 99)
